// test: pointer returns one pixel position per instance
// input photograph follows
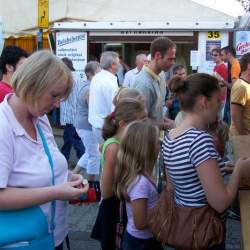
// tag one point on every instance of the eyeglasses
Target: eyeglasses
(214, 55)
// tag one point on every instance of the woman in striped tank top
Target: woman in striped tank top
(191, 160)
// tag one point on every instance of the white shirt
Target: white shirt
(25, 164)
(130, 77)
(103, 88)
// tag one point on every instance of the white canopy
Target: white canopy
(20, 17)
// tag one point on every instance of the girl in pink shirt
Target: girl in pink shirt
(135, 184)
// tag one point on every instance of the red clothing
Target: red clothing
(5, 89)
(221, 69)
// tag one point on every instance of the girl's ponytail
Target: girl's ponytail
(126, 110)
(110, 126)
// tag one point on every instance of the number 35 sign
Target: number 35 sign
(213, 35)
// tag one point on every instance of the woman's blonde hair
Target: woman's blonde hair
(137, 155)
(125, 92)
(126, 110)
(38, 72)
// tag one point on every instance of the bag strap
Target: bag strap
(47, 151)
(121, 211)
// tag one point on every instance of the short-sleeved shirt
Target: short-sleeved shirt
(5, 89)
(82, 107)
(235, 69)
(182, 156)
(240, 95)
(68, 106)
(103, 88)
(25, 164)
(153, 88)
(129, 78)
(141, 188)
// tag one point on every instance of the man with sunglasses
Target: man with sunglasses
(221, 73)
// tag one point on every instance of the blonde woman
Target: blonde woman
(135, 184)
(25, 171)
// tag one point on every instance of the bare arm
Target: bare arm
(108, 173)
(17, 198)
(237, 117)
(139, 208)
(166, 124)
(218, 195)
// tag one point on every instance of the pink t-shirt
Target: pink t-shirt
(24, 163)
(141, 188)
(5, 89)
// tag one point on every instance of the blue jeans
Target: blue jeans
(132, 243)
(227, 115)
(71, 139)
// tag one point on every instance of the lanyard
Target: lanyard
(47, 151)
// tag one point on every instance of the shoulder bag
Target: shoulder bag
(27, 229)
(184, 227)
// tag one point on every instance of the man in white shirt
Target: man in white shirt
(129, 80)
(103, 88)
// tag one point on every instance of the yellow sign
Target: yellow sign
(43, 13)
(213, 35)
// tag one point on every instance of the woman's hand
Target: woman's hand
(229, 168)
(76, 177)
(71, 189)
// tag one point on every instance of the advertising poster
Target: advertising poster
(74, 46)
(210, 45)
(242, 42)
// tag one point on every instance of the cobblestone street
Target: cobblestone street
(81, 220)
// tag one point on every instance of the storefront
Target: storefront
(131, 38)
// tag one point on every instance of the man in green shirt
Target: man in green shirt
(151, 82)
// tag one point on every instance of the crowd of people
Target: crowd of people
(115, 129)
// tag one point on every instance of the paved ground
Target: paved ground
(81, 220)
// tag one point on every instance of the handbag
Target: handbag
(27, 229)
(184, 227)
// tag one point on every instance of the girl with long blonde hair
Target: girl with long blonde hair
(135, 184)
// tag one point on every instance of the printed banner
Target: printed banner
(74, 46)
(242, 42)
(210, 45)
